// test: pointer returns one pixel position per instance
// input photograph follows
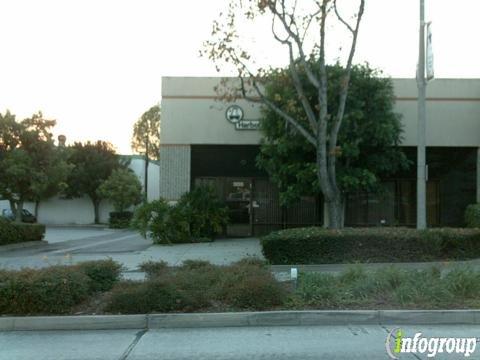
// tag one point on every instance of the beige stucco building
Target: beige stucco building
(199, 144)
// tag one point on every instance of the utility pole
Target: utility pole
(147, 143)
(422, 114)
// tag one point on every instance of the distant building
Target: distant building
(61, 211)
(204, 141)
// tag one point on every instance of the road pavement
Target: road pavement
(252, 343)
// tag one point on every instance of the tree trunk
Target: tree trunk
(13, 208)
(18, 212)
(96, 210)
(335, 210)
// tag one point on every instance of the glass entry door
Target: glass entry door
(238, 200)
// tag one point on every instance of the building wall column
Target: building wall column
(174, 171)
(478, 175)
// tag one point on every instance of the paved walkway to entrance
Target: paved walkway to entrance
(77, 244)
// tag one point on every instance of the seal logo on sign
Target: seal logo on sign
(234, 114)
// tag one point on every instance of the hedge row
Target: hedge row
(12, 233)
(321, 246)
(56, 289)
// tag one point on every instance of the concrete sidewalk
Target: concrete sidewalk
(252, 343)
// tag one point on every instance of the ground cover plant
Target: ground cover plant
(388, 288)
(316, 245)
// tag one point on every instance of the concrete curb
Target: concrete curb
(23, 245)
(241, 319)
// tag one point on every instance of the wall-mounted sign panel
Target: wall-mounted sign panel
(235, 115)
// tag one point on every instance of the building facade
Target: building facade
(208, 141)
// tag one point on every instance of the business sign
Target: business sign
(235, 115)
(429, 57)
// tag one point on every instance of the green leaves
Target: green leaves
(367, 142)
(32, 167)
(122, 188)
(146, 133)
(93, 163)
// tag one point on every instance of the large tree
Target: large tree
(367, 141)
(31, 166)
(146, 139)
(93, 163)
(301, 27)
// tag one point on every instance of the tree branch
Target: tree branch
(282, 16)
(263, 99)
(343, 96)
(347, 25)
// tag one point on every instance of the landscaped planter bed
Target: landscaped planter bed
(197, 286)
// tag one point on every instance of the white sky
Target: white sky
(96, 65)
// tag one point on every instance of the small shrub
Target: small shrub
(102, 273)
(31, 232)
(196, 265)
(12, 233)
(472, 216)
(251, 287)
(206, 213)
(198, 287)
(52, 290)
(197, 217)
(145, 214)
(120, 220)
(144, 297)
(154, 268)
(9, 234)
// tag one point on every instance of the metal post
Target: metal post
(145, 185)
(421, 163)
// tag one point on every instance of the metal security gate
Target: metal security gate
(254, 206)
(269, 215)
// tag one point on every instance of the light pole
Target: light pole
(421, 163)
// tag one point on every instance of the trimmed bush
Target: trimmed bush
(9, 234)
(251, 287)
(472, 216)
(31, 232)
(144, 297)
(322, 246)
(56, 289)
(102, 273)
(53, 290)
(12, 233)
(120, 219)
